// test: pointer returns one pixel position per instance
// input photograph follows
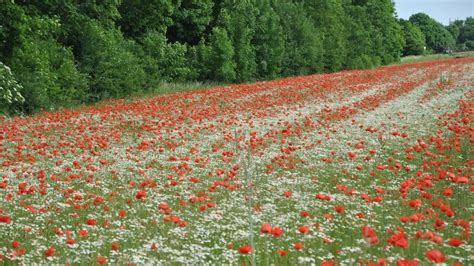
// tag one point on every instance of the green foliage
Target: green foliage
(221, 54)
(463, 33)
(190, 21)
(386, 33)
(45, 69)
(141, 16)
(105, 12)
(466, 31)
(238, 18)
(10, 96)
(329, 18)
(12, 16)
(303, 52)
(469, 45)
(414, 39)
(73, 15)
(168, 59)
(453, 28)
(112, 69)
(198, 57)
(437, 37)
(268, 41)
(359, 29)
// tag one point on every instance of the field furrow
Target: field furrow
(355, 167)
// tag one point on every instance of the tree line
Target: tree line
(423, 32)
(56, 53)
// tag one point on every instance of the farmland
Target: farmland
(370, 166)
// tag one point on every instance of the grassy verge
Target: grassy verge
(431, 57)
(170, 87)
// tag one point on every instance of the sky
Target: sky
(441, 10)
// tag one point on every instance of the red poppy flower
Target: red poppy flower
(448, 192)
(140, 194)
(50, 252)
(21, 251)
(298, 245)
(163, 207)
(304, 214)
(320, 196)
(277, 231)
(5, 219)
(351, 155)
(339, 209)
(399, 241)
(266, 229)
(454, 242)
(327, 216)
(114, 246)
(281, 252)
(327, 263)
(98, 200)
(435, 256)
(303, 229)
(370, 235)
(83, 233)
(245, 249)
(122, 213)
(100, 260)
(439, 224)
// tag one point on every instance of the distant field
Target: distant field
(349, 168)
(431, 57)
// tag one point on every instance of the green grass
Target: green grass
(171, 87)
(431, 57)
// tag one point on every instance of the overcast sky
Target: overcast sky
(441, 10)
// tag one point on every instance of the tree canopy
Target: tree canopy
(463, 32)
(437, 36)
(414, 38)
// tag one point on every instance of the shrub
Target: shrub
(113, 69)
(10, 96)
(221, 55)
(45, 69)
(469, 45)
(169, 59)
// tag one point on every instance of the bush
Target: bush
(304, 51)
(469, 45)
(222, 66)
(438, 38)
(113, 69)
(10, 96)
(414, 39)
(45, 69)
(168, 59)
(198, 57)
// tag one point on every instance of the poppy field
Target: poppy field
(369, 167)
